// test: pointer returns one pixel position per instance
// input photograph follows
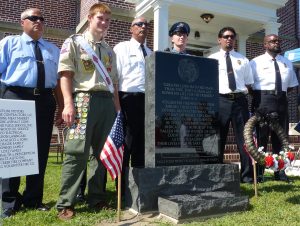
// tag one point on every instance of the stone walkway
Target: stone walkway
(130, 219)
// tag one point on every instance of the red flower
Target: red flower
(269, 161)
(108, 69)
(280, 164)
(291, 156)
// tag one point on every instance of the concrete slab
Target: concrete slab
(201, 204)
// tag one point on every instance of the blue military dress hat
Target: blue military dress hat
(179, 27)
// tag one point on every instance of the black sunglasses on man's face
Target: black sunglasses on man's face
(35, 18)
(140, 24)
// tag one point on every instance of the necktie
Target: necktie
(99, 49)
(40, 66)
(143, 49)
(278, 85)
(230, 73)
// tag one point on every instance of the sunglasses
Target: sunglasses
(35, 18)
(140, 24)
(228, 36)
(274, 41)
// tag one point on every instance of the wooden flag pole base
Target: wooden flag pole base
(254, 177)
(119, 199)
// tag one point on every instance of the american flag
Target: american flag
(112, 152)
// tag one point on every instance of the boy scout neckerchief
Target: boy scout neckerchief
(98, 64)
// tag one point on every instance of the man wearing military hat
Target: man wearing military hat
(179, 33)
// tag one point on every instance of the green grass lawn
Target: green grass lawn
(278, 204)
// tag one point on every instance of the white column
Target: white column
(242, 44)
(271, 28)
(161, 18)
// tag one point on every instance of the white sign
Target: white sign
(292, 131)
(18, 140)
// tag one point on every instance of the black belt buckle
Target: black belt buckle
(277, 93)
(231, 96)
(36, 92)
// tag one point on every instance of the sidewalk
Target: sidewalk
(129, 218)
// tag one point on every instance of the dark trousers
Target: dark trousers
(133, 108)
(33, 193)
(236, 112)
(267, 103)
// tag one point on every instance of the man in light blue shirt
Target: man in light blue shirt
(28, 68)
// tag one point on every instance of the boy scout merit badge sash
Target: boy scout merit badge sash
(76, 134)
(98, 64)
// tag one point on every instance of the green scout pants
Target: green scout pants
(101, 117)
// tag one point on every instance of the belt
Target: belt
(132, 93)
(29, 90)
(232, 96)
(270, 92)
(97, 93)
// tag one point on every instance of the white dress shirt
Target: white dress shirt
(242, 71)
(131, 66)
(265, 76)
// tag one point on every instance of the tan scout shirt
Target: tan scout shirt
(86, 76)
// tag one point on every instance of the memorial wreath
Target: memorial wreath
(272, 161)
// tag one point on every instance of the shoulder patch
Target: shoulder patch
(65, 48)
(74, 35)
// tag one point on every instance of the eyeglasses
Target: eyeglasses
(140, 24)
(274, 41)
(179, 33)
(228, 36)
(35, 18)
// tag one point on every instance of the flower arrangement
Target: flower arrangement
(279, 162)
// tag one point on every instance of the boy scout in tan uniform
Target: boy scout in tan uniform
(89, 111)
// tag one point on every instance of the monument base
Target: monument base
(203, 204)
(1, 201)
(145, 186)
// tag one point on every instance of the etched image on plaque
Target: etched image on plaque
(186, 109)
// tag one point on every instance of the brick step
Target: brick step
(292, 139)
(231, 153)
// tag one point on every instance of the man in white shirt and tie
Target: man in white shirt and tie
(235, 79)
(274, 76)
(131, 72)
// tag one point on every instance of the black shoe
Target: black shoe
(43, 207)
(80, 198)
(281, 176)
(260, 179)
(8, 213)
(247, 180)
(39, 207)
(251, 181)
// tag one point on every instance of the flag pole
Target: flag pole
(119, 198)
(254, 177)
